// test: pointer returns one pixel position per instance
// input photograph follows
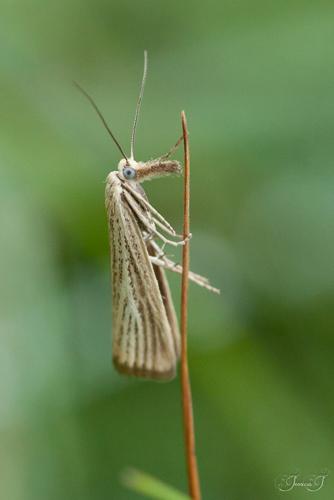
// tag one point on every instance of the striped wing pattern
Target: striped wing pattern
(145, 332)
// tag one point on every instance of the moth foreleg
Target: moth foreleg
(148, 224)
(167, 228)
(145, 204)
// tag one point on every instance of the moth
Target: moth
(145, 333)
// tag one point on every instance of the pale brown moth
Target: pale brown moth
(145, 330)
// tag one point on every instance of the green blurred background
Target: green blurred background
(257, 81)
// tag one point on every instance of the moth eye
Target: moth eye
(129, 173)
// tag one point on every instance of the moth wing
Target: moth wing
(166, 298)
(144, 342)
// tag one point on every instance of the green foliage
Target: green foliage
(150, 486)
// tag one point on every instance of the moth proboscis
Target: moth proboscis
(146, 340)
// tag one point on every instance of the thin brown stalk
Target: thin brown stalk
(188, 419)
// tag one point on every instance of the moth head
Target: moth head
(128, 169)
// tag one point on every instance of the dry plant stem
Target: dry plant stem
(188, 420)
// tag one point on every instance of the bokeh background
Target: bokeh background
(257, 81)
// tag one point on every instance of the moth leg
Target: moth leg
(164, 227)
(148, 237)
(149, 227)
(160, 251)
(177, 268)
(149, 207)
(157, 261)
(171, 242)
(163, 261)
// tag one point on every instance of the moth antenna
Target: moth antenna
(140, 98)
(91, 100)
